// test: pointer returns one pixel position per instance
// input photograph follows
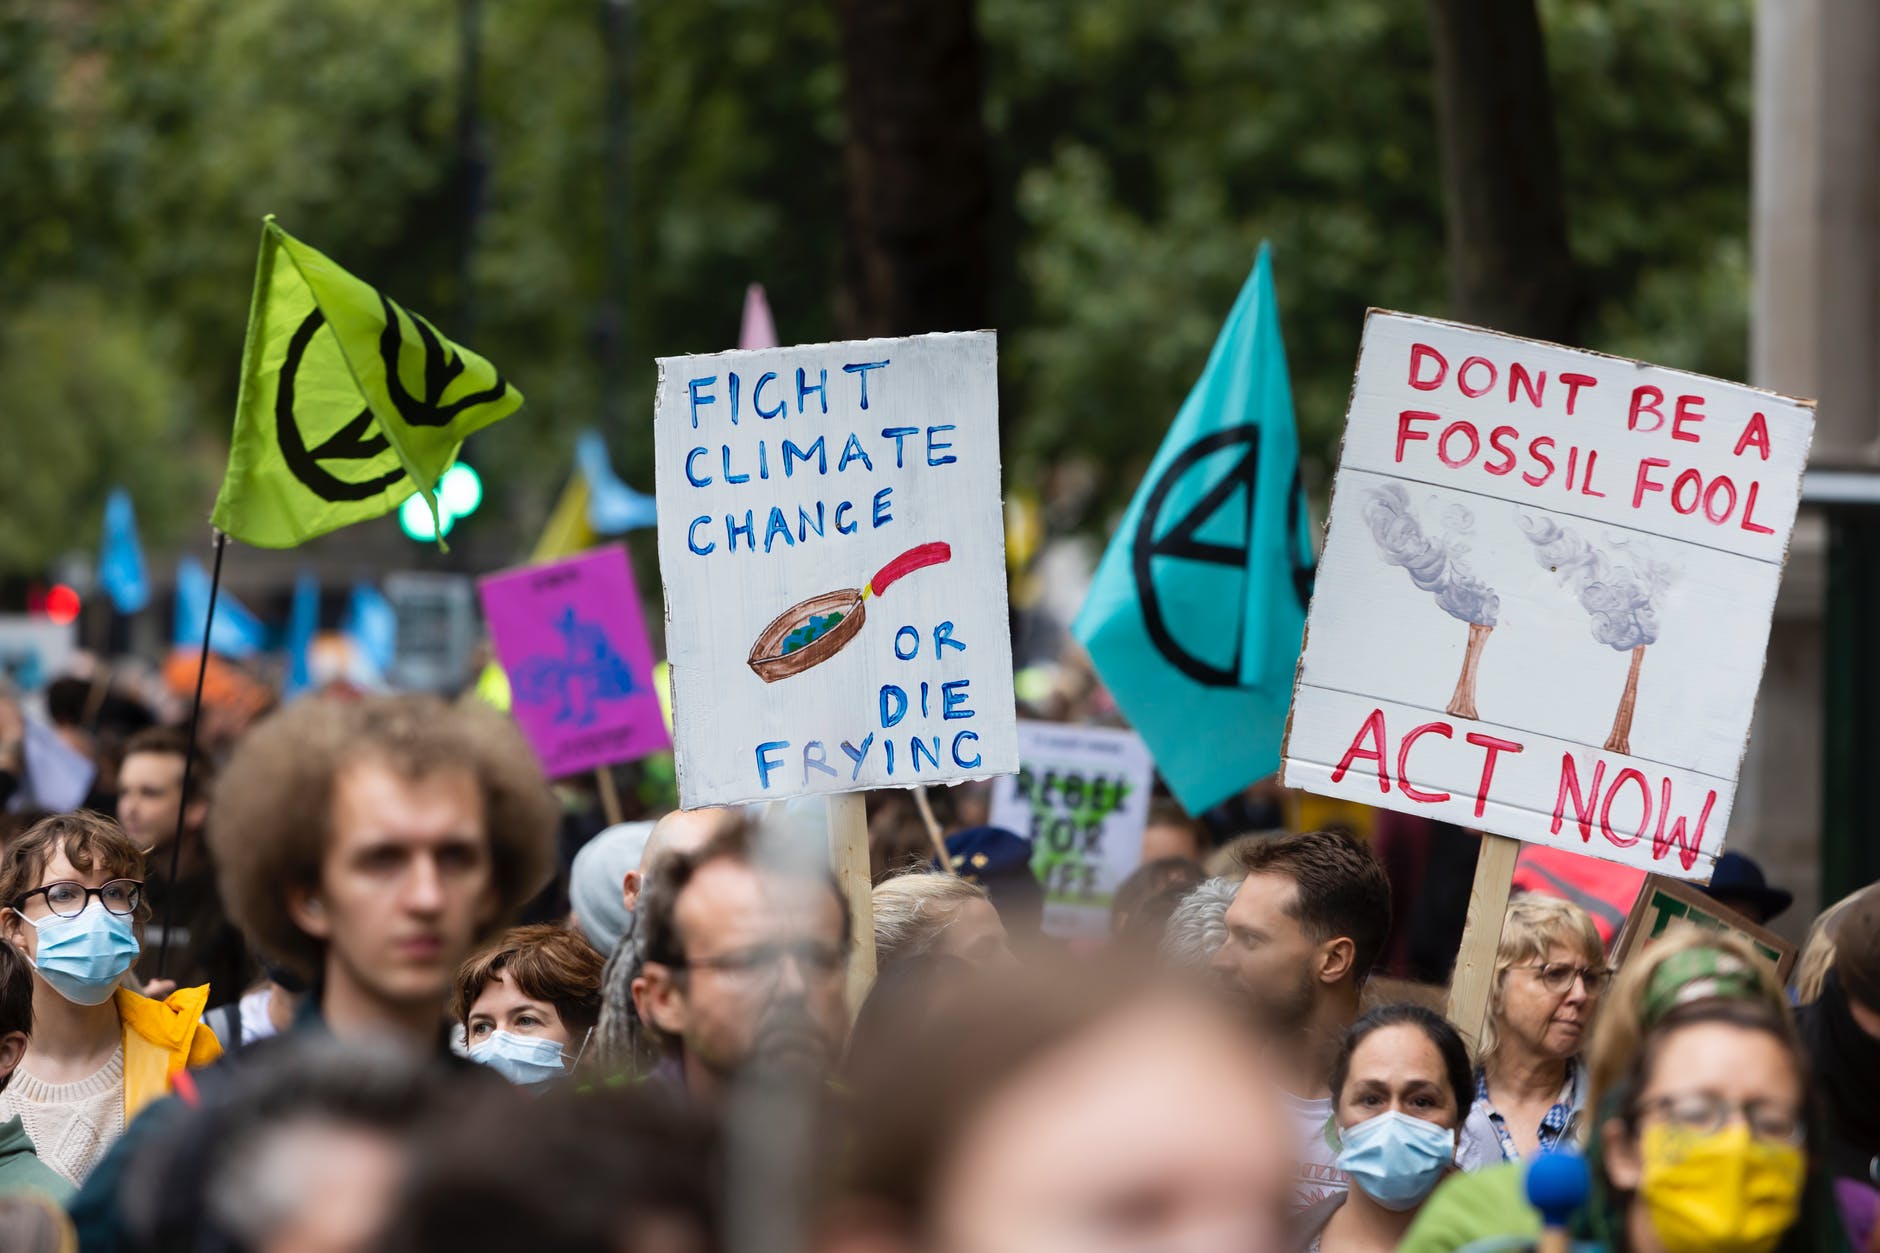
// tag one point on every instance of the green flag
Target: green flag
(348, 402)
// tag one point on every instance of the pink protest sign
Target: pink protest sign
(572, 638)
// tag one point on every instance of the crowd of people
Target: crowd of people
(356, 983)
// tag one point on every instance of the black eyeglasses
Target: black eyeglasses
(68, 899)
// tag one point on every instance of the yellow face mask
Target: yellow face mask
(1725, 1190)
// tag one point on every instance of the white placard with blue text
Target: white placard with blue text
(832, 544)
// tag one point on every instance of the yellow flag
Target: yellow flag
(567, 531)
(348, 402)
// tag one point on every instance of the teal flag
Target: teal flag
(1195, 617)
(303, 623)
(121, 566)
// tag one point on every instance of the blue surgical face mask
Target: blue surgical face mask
(521, 1059)
(1398, 1160)
(84, 957)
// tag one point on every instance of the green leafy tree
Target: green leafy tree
(1145, 151)
(1139, 155)
(91, 403)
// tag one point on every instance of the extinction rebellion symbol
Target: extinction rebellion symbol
(360, 440)
(1182, 542)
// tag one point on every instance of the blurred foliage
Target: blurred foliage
(1142, 152)
(91, 401)
(1154, 146)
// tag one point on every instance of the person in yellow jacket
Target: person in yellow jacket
(71, 901)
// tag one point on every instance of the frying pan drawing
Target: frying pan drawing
(812, 631)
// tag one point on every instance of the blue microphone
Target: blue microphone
(1557, 1185)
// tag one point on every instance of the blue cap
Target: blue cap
(1000, 862)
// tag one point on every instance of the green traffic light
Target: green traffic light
(459, 492)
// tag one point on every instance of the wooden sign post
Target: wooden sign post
(1543, 603)
(1469, 987)
(848, 852)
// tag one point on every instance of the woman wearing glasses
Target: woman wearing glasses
(1529, 1083)
(71, 897)
(1700, 1137)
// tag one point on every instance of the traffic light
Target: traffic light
(459, 492)
(62, 604)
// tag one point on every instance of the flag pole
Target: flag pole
(934, 834)
(189, 756)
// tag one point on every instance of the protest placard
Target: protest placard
(1664, 904)
(1082, 796)
(436, 630)
(831, 540)
(34, 650)
(1545, 593)
(572, 638)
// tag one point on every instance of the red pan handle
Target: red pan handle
(916, 558)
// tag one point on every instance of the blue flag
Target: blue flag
(372, 625)
(613, 507)
(121, 559)
(236, 632)
(1196, 613)
(303, 623)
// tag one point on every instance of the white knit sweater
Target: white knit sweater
(71, 1124)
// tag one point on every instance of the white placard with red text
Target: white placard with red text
(1545, 593)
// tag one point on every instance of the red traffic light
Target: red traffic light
(62, 604)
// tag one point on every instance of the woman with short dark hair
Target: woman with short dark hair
(527, 1002)
(1400, 1086)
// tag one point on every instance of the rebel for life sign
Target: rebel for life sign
(1545, 592)
(832, 543)
(572, 639)
(1082, 797)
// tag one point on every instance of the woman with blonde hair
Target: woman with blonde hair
(1530, 1087)
(1700, 1140)
(1817, 956)
(927, 912)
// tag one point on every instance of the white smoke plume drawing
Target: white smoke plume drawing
(1619, 590)
(1437, 564)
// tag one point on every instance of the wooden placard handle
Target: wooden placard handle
(610, 795)
(848, 853)
(1481, 936)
